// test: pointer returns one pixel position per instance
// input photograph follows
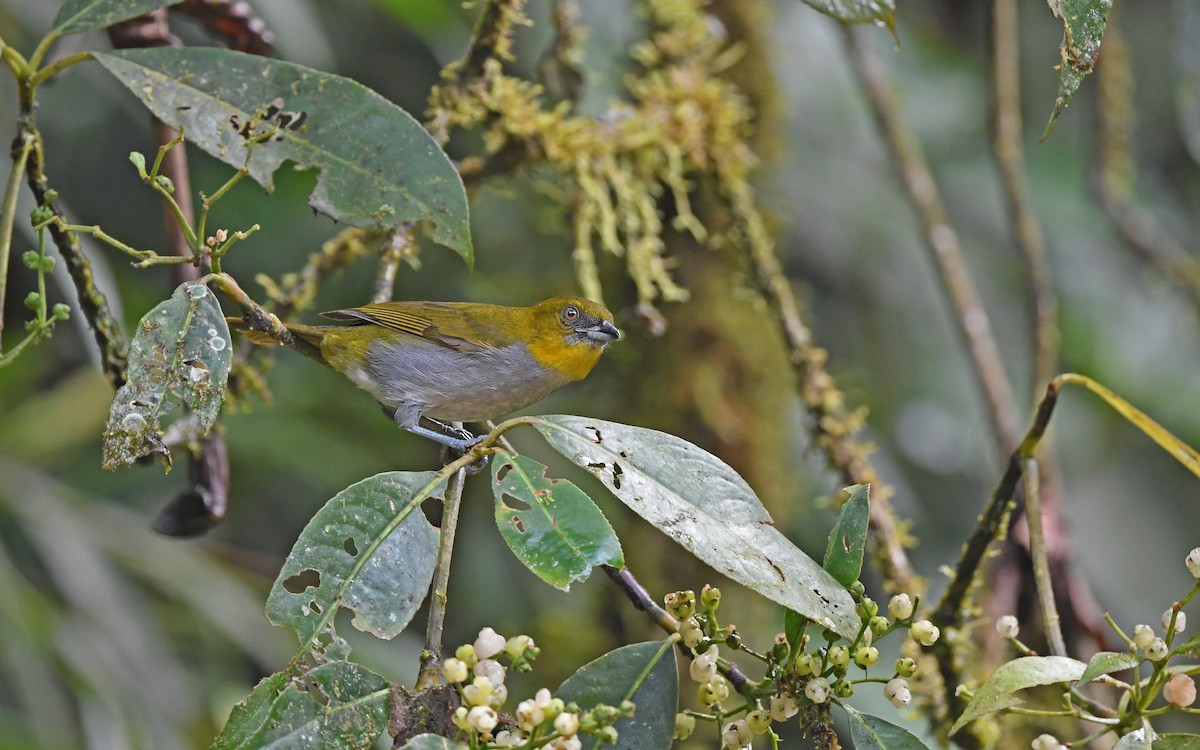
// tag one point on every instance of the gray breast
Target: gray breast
(454, 386)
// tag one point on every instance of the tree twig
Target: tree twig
(93, 303)
(1010, 156)
(941, 240)
(431, 655)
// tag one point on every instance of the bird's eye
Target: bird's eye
(570, 313)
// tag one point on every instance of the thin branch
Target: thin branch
(1010, 156)
(948, 615)
(1051, 622)
(431, 655)
(941, 241)
(8, 211)
(643, 602)
(93, 303)
(400, 247)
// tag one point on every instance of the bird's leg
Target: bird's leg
(462, 441)
(456, 433)
(408, 417)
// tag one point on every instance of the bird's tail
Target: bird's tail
(307, 339)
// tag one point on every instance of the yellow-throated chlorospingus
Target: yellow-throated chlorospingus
(460, 361)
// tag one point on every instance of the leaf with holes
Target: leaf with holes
(550, 524)
(644, 673)
(700, 502)
(1083, 28)
(181, 353)
(848, 540)
(336, 705)
(869, 732)
(377, 165)
(370, 550)
(998, 692)
(84, 15)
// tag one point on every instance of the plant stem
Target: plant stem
(1041, 567)
(431, 655)
(941, 241)
(1010, 156)
(57, 67)
(8, 215)
(93, 303)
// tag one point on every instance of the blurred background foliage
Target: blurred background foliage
(111, 636)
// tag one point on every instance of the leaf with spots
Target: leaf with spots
(181, 353)
(338, 705)
(700, 502)
(1083, 22)
(370, 550)
(377, 166)
(552, 527)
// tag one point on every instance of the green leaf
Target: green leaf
(84, 15)
(1107, 662)
(377, 165)
(556, 531)
(333, 706)
(697, 500)
(857, 11)
(794, 624)
(848, 540)
(1029, 671)
(644, 673)
(432, 742)
(370, 550)
(181, 352)
(1177, 741)
(873, 733)
(1083, 28)
(249, 716)
(1191, 645)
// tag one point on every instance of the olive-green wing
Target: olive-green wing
(438, 322)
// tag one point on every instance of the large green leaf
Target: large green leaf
(370, 550)
(1083, 28)
(1029, 671)
(700, 502)
(377, 165)
(337, 705)
(848, 540)
(644, 673)
(555, 530)
(1107, 662)
(84, 15)
(180, 353)
(857, 11)
(873, 733)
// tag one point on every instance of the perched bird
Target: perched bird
(459, 361)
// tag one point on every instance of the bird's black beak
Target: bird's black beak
(601, 333)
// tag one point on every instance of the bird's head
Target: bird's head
(569, 333)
